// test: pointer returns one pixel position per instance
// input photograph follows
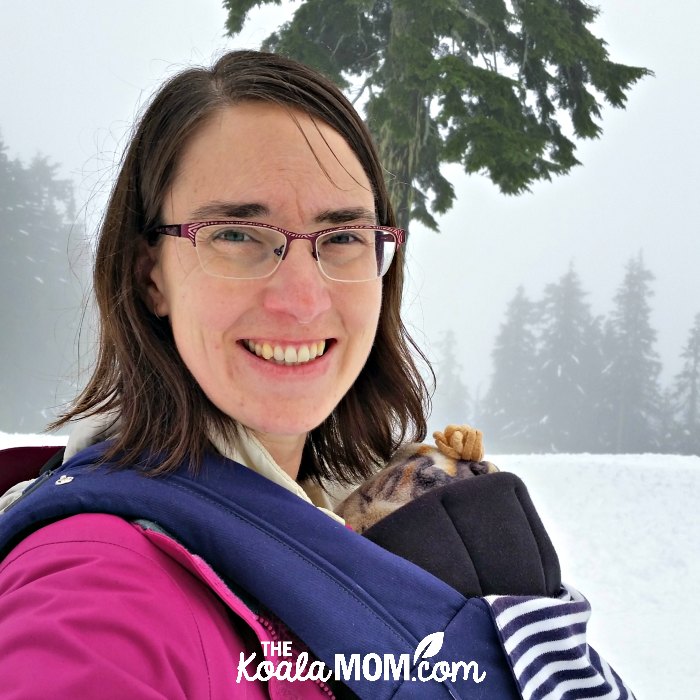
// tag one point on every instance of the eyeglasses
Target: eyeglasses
(247, 250)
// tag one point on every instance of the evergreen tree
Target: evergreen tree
(451, 402)
(483, 83)
(668, 433)
(509, 405)
(686, 394)
(39, 303)
(632, 402)
(569, 365)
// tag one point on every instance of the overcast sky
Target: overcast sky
(74, 73)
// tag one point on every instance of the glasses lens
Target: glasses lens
(239, 252)
(356, 255)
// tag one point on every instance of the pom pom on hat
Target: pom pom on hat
(461, 442)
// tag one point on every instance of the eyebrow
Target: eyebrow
(251, 210)
(344, 216)
(229, 210)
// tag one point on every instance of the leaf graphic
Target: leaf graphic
(429, 646)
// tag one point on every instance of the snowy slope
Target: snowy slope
(18, 439)
(627, 530)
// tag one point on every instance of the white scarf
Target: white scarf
(247, 450)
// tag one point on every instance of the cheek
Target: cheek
(361, 310)
(197, 301)
(202, 311)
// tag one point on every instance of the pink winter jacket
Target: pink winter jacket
(96, 607)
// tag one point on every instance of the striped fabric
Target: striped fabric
(545, 640)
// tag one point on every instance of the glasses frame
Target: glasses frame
(189, 231)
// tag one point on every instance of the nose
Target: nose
(298, 288)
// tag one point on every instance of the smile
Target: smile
(286, 354)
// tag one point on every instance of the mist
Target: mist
(75, 74)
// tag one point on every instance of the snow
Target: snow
(627, 530)
(19, 439)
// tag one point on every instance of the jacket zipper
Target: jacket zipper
(276, 638)
(36, 483)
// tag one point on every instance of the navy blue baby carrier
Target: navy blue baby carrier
(337, 591)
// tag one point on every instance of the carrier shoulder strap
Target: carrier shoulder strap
(339, 592)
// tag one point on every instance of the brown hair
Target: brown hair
(139, 374)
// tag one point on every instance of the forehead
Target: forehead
(264, 153)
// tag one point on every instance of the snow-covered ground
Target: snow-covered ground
(19, 439)
(627, 530)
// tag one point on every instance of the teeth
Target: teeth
(288, 355)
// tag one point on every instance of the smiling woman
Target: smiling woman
(252, 356)
(265, 140)
(302, 175)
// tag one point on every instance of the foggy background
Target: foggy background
(75, 73)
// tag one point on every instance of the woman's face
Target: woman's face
(253, 162)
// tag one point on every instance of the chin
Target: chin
(287, 415)
(296, 422)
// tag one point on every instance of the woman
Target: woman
(248, 278)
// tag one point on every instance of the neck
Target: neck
(286, 450)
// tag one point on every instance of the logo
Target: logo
(370, 667)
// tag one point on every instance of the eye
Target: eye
(232, 235)
(344, 237)
(350, 237)
(226, 236)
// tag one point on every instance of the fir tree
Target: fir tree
(569, 364)
(508, 408)
(487, 84)
(668, 433)
(686, 394)
(40, 305)
(632, 403)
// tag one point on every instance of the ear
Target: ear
(149, 271)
